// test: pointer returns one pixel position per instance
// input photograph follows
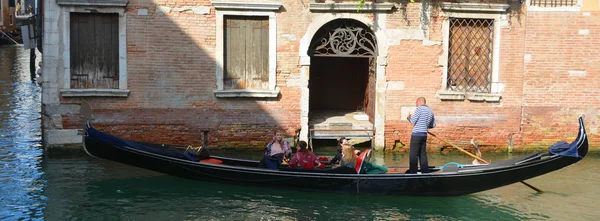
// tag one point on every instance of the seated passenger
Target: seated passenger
(304, 157)
(275, 152)
(348, 156)
(338, 156)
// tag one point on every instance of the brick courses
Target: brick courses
(549, 72)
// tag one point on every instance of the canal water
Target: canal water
(69, 185)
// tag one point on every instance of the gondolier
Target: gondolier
(423, 120)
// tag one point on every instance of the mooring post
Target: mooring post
(205, 129)
(205, 138)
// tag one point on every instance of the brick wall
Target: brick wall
(171, 69)
(561, 74)
(5, 13)
(548, 69)
(548, 72)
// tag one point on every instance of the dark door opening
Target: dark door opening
(342, 81)
(338, 83)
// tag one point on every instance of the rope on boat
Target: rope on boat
(192, 148)
(451, 163)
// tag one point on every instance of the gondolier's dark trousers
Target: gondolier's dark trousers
(418, 153)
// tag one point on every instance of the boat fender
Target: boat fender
(451, 163)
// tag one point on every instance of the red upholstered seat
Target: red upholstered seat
(362, 159)
(212, 160)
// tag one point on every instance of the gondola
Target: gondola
(446, 180)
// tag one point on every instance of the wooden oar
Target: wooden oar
(13, 40)
(479, 158)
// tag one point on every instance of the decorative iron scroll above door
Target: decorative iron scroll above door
(345, 38)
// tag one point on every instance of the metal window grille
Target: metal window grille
(552, 3)
(470, 55)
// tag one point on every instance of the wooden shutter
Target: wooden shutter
(246, 52)
(94, 50)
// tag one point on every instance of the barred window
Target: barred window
(552, 3)
(470, 55)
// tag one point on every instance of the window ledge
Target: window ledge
(460, 96)
(484, 97)
(246, 93)
(367, 7)
(451, 96)
(94, 93)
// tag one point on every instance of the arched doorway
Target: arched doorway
(342, 80)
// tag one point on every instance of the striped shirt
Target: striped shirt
(422, 119)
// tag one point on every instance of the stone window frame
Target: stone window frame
(246, 9)
(497, 12)
(68, 7)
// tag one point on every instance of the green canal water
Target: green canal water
(82, 187)
(70, 185)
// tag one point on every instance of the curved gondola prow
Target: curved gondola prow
(581, 141)
(85, 116)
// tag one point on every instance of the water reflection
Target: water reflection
(148, 196)
(21, 174)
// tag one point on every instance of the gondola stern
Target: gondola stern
(578, 148)
(582, 140)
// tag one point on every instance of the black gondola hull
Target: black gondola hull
(246, 172)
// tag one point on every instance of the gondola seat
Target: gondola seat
(212, 160)
(362, 160)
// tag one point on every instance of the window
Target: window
(472, 51)
(553, 3)
(470, 55)
(246, 51)
(94, 50)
